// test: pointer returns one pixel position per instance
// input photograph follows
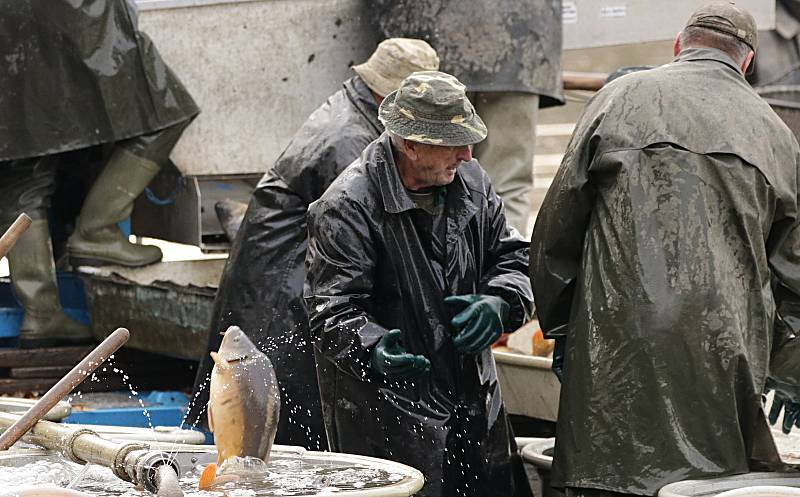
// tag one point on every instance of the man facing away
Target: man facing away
(665, 259)
(261, 289)
(413, 273)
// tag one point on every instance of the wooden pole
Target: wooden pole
(13, 233)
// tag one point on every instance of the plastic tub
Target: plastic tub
(528, 385)
(750, 484)
(539, 453)
(189, 458)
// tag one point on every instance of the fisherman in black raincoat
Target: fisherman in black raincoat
(412, 275)
(261, 289)
(74, 75)
(665, 259)
(509, 53)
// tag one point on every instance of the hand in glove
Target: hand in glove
(391, 360)
(784, 400)
(480, 322)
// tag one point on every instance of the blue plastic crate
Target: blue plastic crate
(164, 408)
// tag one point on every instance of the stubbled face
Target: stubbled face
(434, 165)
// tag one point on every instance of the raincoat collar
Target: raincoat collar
(697, 54)
(360, 95)
(396, 198)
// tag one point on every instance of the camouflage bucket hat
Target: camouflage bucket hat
(726, 17)
(432, 107)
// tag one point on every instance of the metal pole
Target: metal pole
(12, 234)
(590, 81)
(64, 387)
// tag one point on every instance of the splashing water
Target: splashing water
(289, 475)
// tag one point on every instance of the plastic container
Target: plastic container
(122, 409)
(528, 385)
(408, 480)
(539, 453)
(750, 484)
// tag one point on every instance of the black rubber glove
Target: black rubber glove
(391, 360)
(785, 400)
(480, 322)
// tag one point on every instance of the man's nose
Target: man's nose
(464, 153)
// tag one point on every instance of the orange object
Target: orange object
(207, 477)
(501, 342)
(541, 346)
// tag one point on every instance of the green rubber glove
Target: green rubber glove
(785, 400)
(391, 360)
(480, 322)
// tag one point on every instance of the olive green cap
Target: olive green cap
(432, 107)
(393, 61)
(726, 17)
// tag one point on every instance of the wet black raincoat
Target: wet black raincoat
(76, 74)
(489, 45)
(371, 270)
(261, 289)
(663, 247)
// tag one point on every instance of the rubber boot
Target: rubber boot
(97, 240)
(33, 275)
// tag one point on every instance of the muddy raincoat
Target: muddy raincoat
(76, 74)
(655, 253)
(371, 269)
(489, 45)
(261, 289)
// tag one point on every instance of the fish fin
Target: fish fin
(207, 477)
(210, 418)
(219, 361)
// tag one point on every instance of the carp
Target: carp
(244, 399)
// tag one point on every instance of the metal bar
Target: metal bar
(64, 387)
(12, 234)
(591, 81)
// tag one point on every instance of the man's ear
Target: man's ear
(676, 48)
(748, 60)
(411, 149)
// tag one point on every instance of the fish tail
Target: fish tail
(207, 477)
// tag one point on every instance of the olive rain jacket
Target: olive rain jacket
(261, 289)
(76, 74)
(372, 268)
(665, 244)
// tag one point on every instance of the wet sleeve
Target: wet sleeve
(784, 260)
(557, 241)
(507, 259)
(339, 286)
